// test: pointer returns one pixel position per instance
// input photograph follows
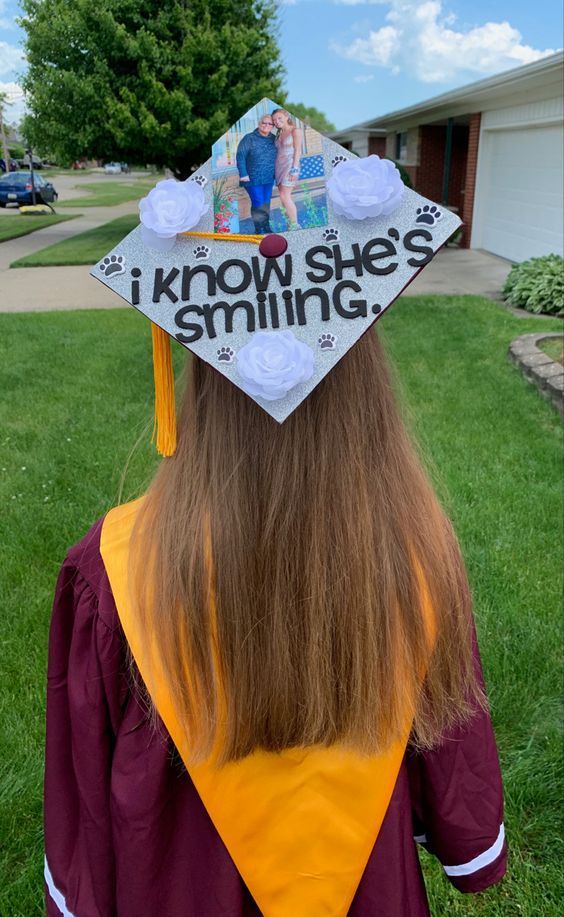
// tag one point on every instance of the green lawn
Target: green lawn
(13, 226)
(76, 422)
(554, 347)
(114, 192)
(84, 248)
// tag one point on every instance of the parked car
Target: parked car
(37, 162)
(13, 165)
(112, 168)
(125, 167)
(16, 188)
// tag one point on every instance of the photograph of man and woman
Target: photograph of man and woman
(268, 174)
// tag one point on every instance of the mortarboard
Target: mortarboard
(272, 259)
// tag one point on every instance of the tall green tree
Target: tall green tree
(147, 81)
(4, 151)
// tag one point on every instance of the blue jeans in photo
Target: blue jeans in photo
(260, 196)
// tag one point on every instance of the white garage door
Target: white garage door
(519, 192)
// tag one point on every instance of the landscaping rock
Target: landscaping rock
(538, 367)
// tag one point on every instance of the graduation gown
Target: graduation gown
(128, 835)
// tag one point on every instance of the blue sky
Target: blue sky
(355, 59)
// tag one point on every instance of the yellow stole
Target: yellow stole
(299, 825)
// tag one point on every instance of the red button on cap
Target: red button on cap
(273, 245)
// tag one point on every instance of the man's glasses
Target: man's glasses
(269, 123)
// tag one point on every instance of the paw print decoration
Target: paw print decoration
(200, 180)
(327, 342)
(112, 265)
(330, 234)
(337, 160)
(225, 355)
(201, 252)
(428, 215)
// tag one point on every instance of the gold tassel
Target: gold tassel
(164, 429)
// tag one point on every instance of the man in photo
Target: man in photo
(256, 158)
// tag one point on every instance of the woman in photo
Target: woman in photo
(287, 169)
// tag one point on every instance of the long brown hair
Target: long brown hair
(324, 534)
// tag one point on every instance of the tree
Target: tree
(4, 151)
(312, 116)
(151, 81)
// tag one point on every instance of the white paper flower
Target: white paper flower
(274, 362)
(365, 187)
(171, 207)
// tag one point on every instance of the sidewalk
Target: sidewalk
(42, 289)
(41, 238)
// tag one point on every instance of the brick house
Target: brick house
(492, 151)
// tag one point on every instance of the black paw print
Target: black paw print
(113, 264)
(330, 234)
(225, 355)
(327, 342)
(337, 160)
(201, 253)
(428, 215)
(200, 180)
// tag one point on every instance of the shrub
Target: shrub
(405, 177)
(537, 285)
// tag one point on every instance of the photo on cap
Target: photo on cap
(268, 174)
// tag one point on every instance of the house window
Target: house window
(401, 146)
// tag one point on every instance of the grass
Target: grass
(11, 227)
(107, 195)
(554, 348)
(493, 445)
(84, 248)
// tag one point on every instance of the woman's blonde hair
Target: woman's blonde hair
(286, 566)
(288, 115)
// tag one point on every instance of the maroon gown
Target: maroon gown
(126, 834)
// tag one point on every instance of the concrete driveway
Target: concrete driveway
(462, 271)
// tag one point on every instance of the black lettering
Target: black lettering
(135, 272)
(287, 297)
(246, 276)
(163, 285)
(268, 265)
(341, 263)
(189, 272)
(273, 303)
(228, 313)
(359, 306)
(369, 256)
(422, 249)
(326, 269)
(301, 299)
(261, 299)
(196, 330)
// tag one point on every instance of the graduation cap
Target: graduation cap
(272, 259)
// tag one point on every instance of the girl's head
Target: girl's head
(281, 118)
(288, 567)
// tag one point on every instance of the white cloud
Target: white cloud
(363, 77)
(11, 58)
(15, 108)
(418, 40)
